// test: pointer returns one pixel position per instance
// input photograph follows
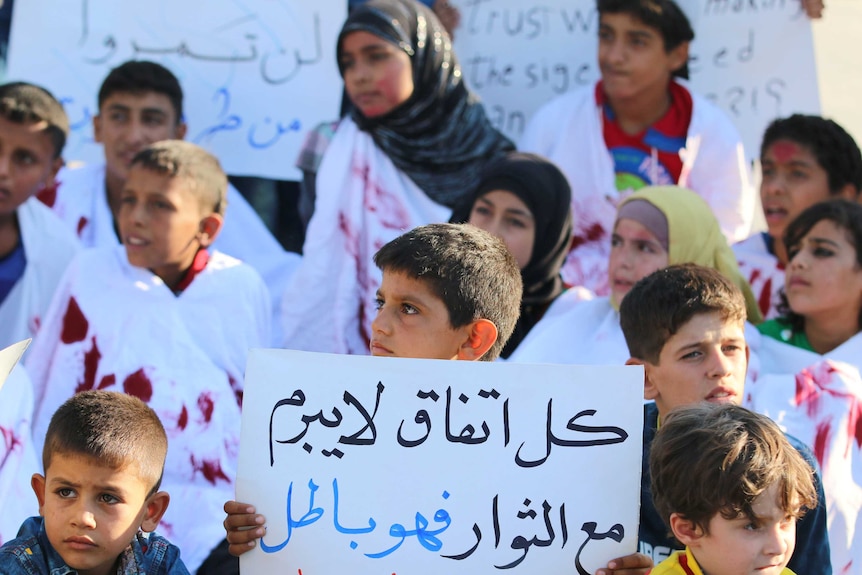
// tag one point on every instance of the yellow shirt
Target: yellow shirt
(684, 563)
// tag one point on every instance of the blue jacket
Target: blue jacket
(32, 554)
(811, 555)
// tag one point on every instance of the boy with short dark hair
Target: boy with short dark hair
(449, 291)
(639, 126)
(163, 318)
(35, 250)
(805, 160)
(743, 489)
(685, 325)
(103, 458)
(141, 103)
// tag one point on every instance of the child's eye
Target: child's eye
(605, 35)
(616, 241)
(516, 223)
(346, 63)
(24, 158)
(820, 252)
(65, 492)
(482, 210)
(378, 304)
(409, 309)
(378, 56)
(792, 252)
(108, 498)
(119, 117)
(154, 120)
(692, 355)
(730, 348)
(646, 247)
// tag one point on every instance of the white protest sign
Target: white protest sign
(369, 465)
(256, 75)
(9, 358)
(754, 58)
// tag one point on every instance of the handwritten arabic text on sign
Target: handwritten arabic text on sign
(378, 465)
(256, 75)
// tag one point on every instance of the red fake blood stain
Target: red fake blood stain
(75, 325)
(139, 385)
(91, 366)
(205, 404)
(184, 418)
(784, 150)
(592, 234)
(237, 391)
(107, 381)
(82, 223)
(48, 195)
(211, 470)
(821, 440)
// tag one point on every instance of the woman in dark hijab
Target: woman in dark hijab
(410, 149)
(525, 199)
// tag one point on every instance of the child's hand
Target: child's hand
(244, 527)
(634, 564)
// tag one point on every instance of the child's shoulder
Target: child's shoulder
(156, 555)
(27, 553)
(314, 147)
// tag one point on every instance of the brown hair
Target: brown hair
(660, 304)
(24, 103)
(114, 428)
(470, 270)
(709, 459)
(180, 159)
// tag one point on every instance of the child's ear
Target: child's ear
(37, 482)
(209, 228)
(180, 132)
(848, 192)
(157, 504)
(650, 391)
(481, 336)
(56, 164)
(97, 128)
(685, 530)
(678, 56)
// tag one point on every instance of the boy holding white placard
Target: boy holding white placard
(449, 291)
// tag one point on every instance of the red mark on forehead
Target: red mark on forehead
(784, 150)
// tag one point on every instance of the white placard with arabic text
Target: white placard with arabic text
(369, 465)
(257, 75)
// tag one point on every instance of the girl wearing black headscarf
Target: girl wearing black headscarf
(410, 149)
(525, 199)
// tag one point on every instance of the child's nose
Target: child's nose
(84, 517)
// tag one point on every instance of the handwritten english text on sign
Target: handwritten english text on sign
(418, 467)
(754, 59)
(256, 75)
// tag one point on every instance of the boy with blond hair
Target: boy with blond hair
(99, 498)
(735, 500)
(166, 319)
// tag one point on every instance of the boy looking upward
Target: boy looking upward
(734, 500)
(34, 252)
(449, 291)
(685, 325)
(167, 320)
(141, 103)
(103, 458)
(639, 125)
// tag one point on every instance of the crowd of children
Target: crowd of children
(621, 233)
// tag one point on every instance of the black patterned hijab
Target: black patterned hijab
(440, 136)
(546, 192)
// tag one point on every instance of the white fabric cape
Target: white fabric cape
(18, 460)
(363, 201)
(568, 131)
(49, 248)
(576, 329)
(82, 204)
(818, 399)
(117, 327)
(764, 273)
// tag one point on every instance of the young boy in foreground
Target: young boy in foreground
(449, 291)
(735, 500)
(685, 325)
(167, 320)
(103, 458)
